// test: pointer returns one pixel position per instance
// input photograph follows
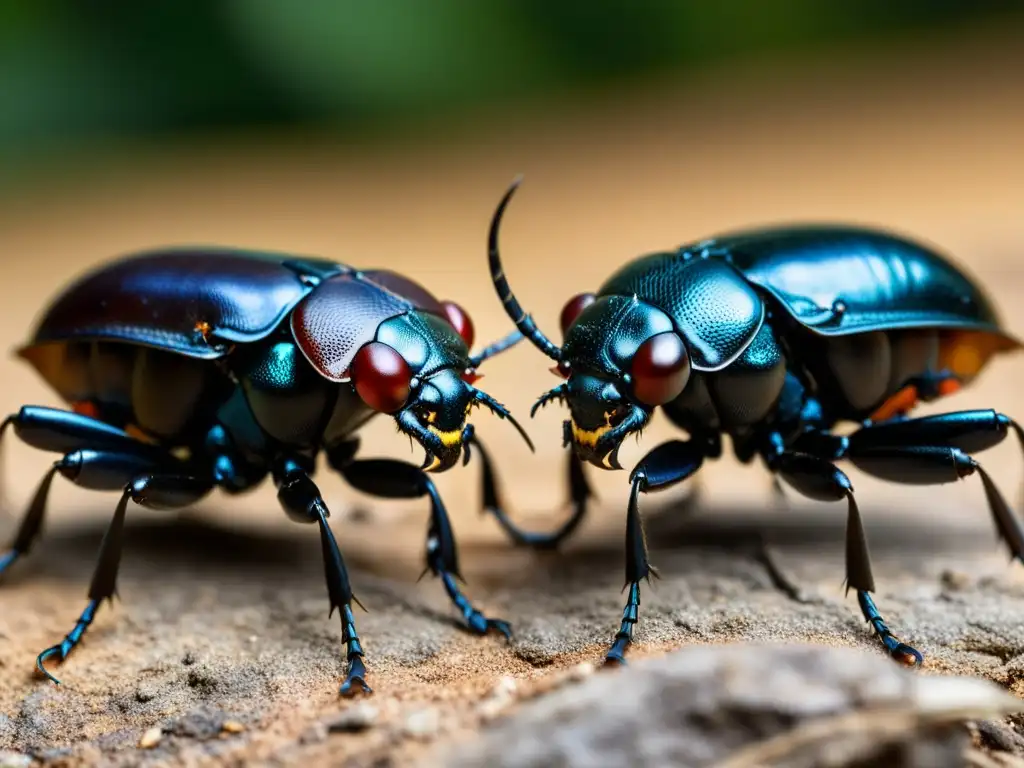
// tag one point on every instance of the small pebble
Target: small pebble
(145, 693)
(955, 580)
(501, 698)
(360, 515)
(232, 726)
(315, 734)
(151, 738)
(423, 724)
(359, 717)
(505, 687)
(582, 671)
(492, 709)
(15, 760)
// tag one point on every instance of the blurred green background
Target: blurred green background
(82, 73)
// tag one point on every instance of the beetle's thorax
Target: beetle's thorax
(299, 408)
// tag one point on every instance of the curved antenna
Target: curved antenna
(558, 393)
(522, 320)
(501, 412)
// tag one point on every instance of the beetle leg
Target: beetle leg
(934, 465)
(821, 480)
(970, 431)
(965, 431)
(52, 429)
(663, 467)
(303, 503)
(31, 524)
(392, 479)
(157, 491)
(764, 556)
(935, 449)
(638, 568)
(579, 493)
(77, 436)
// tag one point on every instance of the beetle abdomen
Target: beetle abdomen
(860, 365)
(173, 395)
(166, 396)
(879, 375)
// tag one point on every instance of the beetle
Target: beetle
(193, 369)
(774, 338)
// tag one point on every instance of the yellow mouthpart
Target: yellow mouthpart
(448, 439)
(589, 437)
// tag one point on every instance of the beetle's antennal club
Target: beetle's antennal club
(501, 412)
(522, 320)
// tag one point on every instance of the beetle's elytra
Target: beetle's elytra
(774, 338)
(188, 370)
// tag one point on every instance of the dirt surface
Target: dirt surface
(221, 639)
(740, 706)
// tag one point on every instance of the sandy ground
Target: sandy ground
(221, 638)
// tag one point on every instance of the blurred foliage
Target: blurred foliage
(76, 71)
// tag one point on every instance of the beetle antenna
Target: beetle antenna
(496, 348)
(501, 412)
(558, 393)
(522, 320)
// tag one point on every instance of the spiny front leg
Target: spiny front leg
(666, 465)
(301, 500)
(388, 478)
(638, 568)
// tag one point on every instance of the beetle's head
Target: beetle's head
(621, 359)
(419, 370)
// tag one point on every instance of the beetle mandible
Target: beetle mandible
(774, 337)
(193, 369)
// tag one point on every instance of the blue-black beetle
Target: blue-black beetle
(775, 337)
(194, 369)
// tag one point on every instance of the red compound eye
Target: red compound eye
(660, 369)
(460, 321)
(381, 377)
(573, 307)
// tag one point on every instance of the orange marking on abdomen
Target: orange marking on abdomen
(86, 408)
(903, 401)
(138, 434)
(965, 353)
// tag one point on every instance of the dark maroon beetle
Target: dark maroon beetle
(193, 369)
